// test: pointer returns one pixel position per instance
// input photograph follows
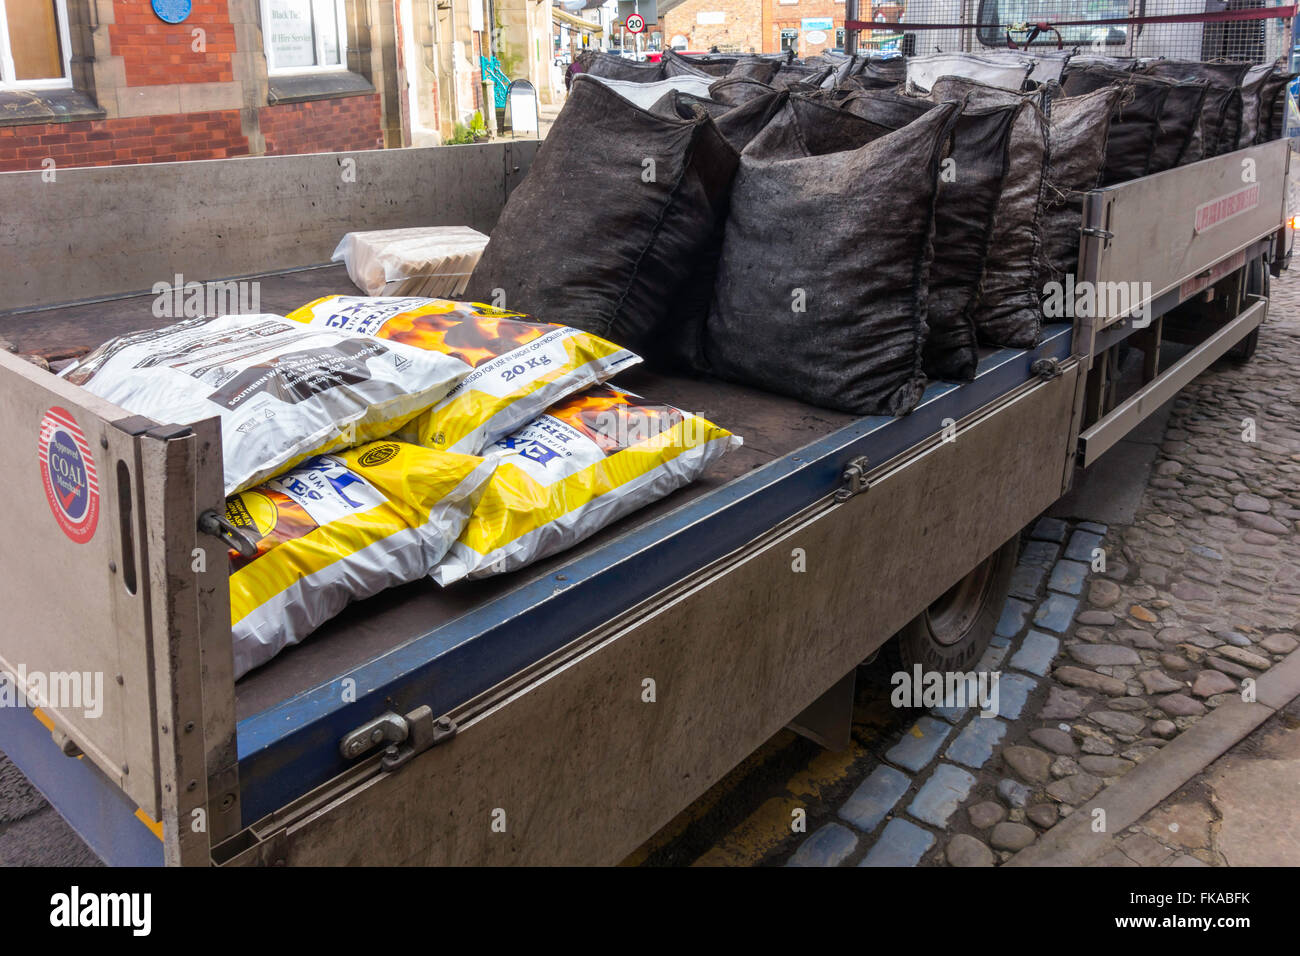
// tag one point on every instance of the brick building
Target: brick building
(808, 27)
(101, 82)
(733, 26)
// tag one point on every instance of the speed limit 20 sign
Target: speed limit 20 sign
(635, 23)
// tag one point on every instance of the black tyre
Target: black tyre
(953, 632)
(1257, 283)
(1244, 350)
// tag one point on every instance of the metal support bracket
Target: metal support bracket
(854, 478)
(1046, 369)
(425, 732)
(387, 727)
(405, 736)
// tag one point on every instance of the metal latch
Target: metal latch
(854, 478)
(1097, 232)
(219, 526)
(1046, 369)
(405, 736)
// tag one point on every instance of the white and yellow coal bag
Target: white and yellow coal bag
(520, 368)
(283, 392)
(587, 462)
(339, 528)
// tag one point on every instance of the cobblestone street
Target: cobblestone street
(1103, 666)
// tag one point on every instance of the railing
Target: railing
(491, 67)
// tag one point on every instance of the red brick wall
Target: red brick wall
(740, 32)
(323, 126)
(155, 52)
(790, 16)
(144, 139)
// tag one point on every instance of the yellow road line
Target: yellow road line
(710, 799)
(756, 836)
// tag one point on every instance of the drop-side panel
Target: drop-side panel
(1162, 230)
(72, 581)
(576, 767)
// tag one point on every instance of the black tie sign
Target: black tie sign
(635, 23)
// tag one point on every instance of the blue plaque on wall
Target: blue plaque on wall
(171, 11)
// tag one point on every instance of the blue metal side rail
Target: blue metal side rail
(292, 747)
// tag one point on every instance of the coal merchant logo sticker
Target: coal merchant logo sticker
(68, 473)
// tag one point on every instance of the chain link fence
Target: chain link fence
(1254, 31)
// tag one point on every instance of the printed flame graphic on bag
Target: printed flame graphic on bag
(474, 335)
(614, 419)
(271, 516)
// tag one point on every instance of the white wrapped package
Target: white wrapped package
(1004, 69)
(424, 260)
(587, 462)
(283, 391)
(646, 95)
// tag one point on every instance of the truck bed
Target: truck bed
(466, 638)
(772, 426)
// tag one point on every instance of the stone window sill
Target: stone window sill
(28, 108)
(302, 88)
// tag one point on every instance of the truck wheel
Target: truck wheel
(1244, 350)
(953, 632)
(1257, 283)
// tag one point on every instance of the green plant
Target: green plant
(460, 135)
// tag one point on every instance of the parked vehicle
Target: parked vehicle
(565, 712)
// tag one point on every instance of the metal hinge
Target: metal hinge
(404, 736)
(854, 478)
(1046, 369)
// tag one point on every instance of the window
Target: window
(839, 39)
(789, 40)
(34, 51)
(303, 36)
(994, 14)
